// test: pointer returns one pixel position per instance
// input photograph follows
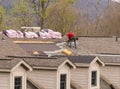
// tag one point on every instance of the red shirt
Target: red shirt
(69, 35)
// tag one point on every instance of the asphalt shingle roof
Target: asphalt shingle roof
(97, 45)
(8, 63)
(45, 62)
(86, 45)
(39, 47)
(110, 59)
(81, 59)
(8, 48)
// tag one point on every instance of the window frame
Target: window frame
(19, 85)
(63, 82)
(94, 78)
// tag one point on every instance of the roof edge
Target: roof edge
(112, 64)
(5, 70)
(45, 68)
(97, 59)
(24, 63)
(72, 65)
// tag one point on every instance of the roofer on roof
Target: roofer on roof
(71, 38)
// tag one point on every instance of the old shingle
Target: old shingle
(8, 63)
(7, 47)
(44, 62)
(110, 59)
(81, 59)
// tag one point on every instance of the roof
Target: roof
(48, 63)
(110, 60)
(37, 40)
(8, 63)
(34, 83)
(7, 47)
(11, 64)
(85, 60)
(81, 59)
(104, 84)
(95, 45)
(98, 45)
(85, 45)
(44, 62)
(41, 47)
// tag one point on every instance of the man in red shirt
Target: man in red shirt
(71, 38)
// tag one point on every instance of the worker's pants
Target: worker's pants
(72, 40)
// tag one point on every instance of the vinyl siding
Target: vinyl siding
(45, 78)
(112, 74)
(80, 77)
(19, 71)
(94, 67)
(64, 70)
(4, 80)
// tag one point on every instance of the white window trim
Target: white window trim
(14, 74)
(63, 71)
(21, 81)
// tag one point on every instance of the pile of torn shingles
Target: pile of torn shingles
(12, 55)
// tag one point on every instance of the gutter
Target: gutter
(45, 68)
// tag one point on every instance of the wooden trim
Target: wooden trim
(5, 70)
(46, 68)
(24, 63)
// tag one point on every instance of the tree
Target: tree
(110, 24)
(22, 13)
(61, 16)
(40, 7)
(2, 13)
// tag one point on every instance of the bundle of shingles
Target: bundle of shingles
(45, 33)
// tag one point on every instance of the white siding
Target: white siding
(63, 70)
(19, 71)
(45, 78)
(112, 74)
(80, 77)
(94, 67)
(4, 80)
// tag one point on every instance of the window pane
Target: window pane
(18, 83)
(63, 81)
(94, 78)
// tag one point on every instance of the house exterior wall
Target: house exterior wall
(4, 80)
(80, 77)
(112, 74)
(19, 71)
(45, 78)
(63, 70)
(94, 67)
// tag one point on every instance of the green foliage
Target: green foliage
(61, 16)
(40, 7)
(2, 13)
(22, 14)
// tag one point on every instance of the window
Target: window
(94, 78)
(63, 81)
(18, 83)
